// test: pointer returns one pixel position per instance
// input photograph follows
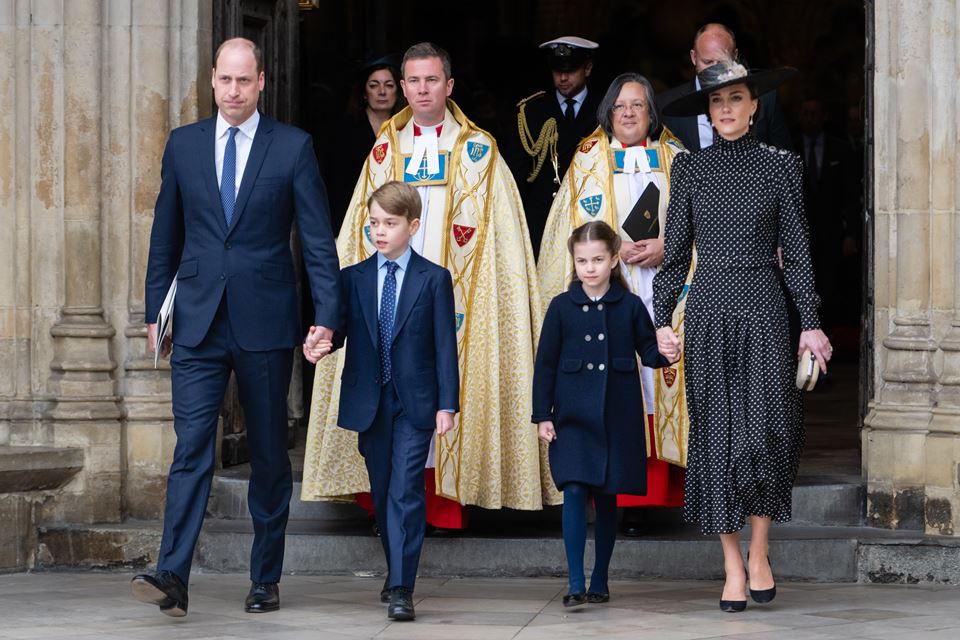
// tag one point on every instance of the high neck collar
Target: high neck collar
(741, 145)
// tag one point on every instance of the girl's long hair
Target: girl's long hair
(598, 230)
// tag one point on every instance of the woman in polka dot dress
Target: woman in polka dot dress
(740, 203)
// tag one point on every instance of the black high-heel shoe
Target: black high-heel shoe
(763, 596)
(733, 606)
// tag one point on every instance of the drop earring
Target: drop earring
(751, 121)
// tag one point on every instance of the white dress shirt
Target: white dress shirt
(243, 140)
(578, 102)
(704, 128)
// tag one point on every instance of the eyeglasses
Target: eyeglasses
(636, 107)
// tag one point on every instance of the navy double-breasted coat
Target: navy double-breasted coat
(586, 381)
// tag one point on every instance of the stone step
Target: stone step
(837, 502)
(811, 554)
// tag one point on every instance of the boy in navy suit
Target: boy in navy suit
(400, 381)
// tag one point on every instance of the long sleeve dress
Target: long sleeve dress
(737, 201)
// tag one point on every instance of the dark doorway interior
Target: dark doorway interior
(496, 63)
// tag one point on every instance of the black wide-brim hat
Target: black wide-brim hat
(726, 74)
(374, 63)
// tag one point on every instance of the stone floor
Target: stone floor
(98, 606)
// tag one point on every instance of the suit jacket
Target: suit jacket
(769, 125)
(537, 196)
(250, 262)
(423, 353)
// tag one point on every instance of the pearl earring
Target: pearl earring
(751, 121)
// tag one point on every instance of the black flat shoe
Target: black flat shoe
(164, 589)
(574, 599)
(733, 606)
(401, 605)
(598, 597)
(763, 596)
(263, 597)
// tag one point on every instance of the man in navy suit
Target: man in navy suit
(715, 42)
(231, 187)
(401, 382)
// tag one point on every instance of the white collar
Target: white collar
(247, 127)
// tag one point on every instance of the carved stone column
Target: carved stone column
(942, 508)
(86, 412)
(914, 211)
(161, 61)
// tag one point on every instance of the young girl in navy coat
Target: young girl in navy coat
(587, 400)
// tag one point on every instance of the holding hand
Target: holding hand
(817, 343)
(668, 343)
(318, 343)
(546, 432)
(444, 422)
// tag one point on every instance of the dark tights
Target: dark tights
(575, 496)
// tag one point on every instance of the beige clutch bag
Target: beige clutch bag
(808, 370)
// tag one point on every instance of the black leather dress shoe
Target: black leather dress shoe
(598, 597)
(164, 589)
(263, 597)
(574, 599)
(401, 604)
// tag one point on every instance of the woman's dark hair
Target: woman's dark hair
(598, 230)
(605, 110)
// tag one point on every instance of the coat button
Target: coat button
(587, 338)
(586, 308)
(600, 307)
(590, 366)
(601, 367)
(600, 337)
(223, 276)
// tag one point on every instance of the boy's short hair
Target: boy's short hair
(397, 199)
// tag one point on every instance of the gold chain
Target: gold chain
(544, 145)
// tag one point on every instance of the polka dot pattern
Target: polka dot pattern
(737, 201)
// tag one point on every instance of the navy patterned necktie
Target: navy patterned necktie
(388, 306)
(228, 176)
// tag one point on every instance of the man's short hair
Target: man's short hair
(397, 199)
(716, 25)
(427, 50)
(232, 42)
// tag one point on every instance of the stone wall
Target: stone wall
(911, 442)
(90, 91)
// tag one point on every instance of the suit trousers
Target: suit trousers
(199, 380)
(395, 453)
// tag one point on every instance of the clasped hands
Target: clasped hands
(668, 344)
(318, 343)
(644, 253)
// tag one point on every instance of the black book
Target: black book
(643, 223)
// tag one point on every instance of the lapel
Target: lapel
(413, 281)
(367, 292)
(208, 166)
(261, 143)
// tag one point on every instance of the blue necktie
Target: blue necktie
(228, 177)
(388, 304)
